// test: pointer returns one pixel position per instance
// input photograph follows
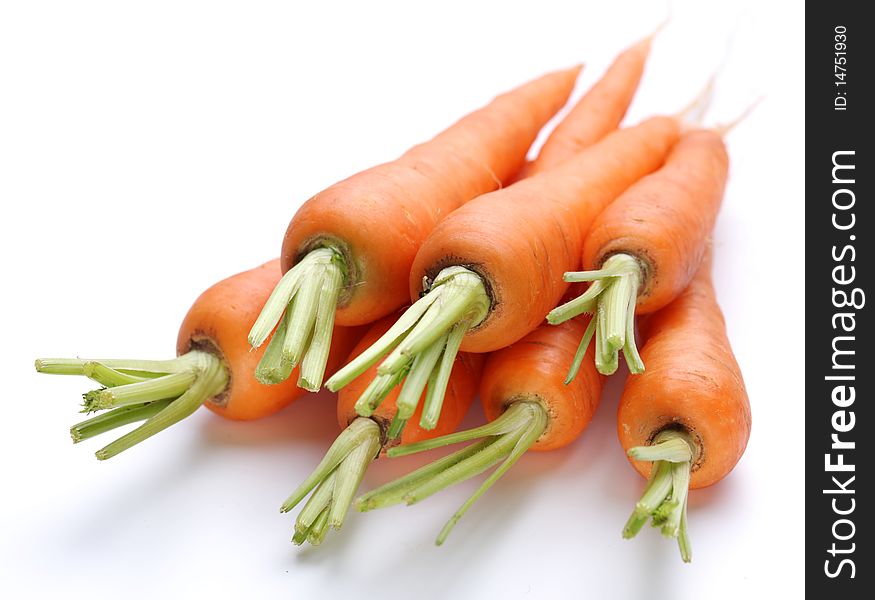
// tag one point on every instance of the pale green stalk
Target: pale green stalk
(160, 388)
(611, 299)
(335, 479)
(434, 399)
(115, 418)
(141, 368)
(160, 392)
(504, 440)
(396, 491)
(107, 376)
(664, 499)
(581, 352)
(417, 378)
(307, 295)
(421, 346)
(272, 369)
(314, 516)
(316, 358)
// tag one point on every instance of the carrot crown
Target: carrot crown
(421, 348)
(664, 500)
(301, 308)
(611, 299)
(159, 392)
(504, 440)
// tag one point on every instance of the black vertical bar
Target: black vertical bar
(839, 231)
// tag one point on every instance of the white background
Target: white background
(150, 149)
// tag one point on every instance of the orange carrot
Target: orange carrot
(598, 113)
(686, 421)
(529, 406)
(493, 268)
(214, 367)
(336, 479)
(642, 251)
(348, 250)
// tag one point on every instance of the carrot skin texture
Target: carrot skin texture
(461, 391)
(666, 219)
(599, 112)
(383, 214)
(692, 379)
(534, 368)
(219, 320)
(554, 210)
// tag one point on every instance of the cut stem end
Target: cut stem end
(611, 299)
(502, 441)
(420, 348)
(335, 481)
(301, 308)
(664, 500)
(160, 393)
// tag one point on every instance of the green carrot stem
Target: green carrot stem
(585, 303)
(433, 325)
(115, 418)
(318, 531)
(159, 392)
(673, 449)
(664, 499)
(463, 298)
(308, 294)
(630, 348)
(434, 400)
(316, 358)
(107, 376)
(616, 303)
(606, 360)
(478, 463)
(335, 479)
(680, 485)
(150, 390)
(417, 378)
(529, 436)
(612, 298)
(658, 488)
(302, 320)
(581, 352)
(684, 545)
(396, 427)
(373, 395)
(393, 336)
(319, 501)
(211, 380)
(349, 476)
(272, 369)
(503, 440)
(142, 368)
(395, 491)
(517, 416)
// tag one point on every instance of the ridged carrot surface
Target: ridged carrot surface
(692, 382)
(379, 217)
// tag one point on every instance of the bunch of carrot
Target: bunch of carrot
(492, 254)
